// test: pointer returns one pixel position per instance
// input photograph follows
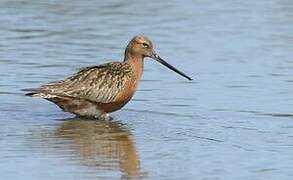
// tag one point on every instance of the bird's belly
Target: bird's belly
(112, 106)
(90, 111)
(77, 106)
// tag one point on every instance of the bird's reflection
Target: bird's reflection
(106, 145)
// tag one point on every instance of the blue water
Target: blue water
(234, 121)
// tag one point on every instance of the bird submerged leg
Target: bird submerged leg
(104, 116)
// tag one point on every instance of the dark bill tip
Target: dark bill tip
(160, 60)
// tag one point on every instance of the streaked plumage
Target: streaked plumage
(98, 90)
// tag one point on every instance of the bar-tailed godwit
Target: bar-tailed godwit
(98, 90)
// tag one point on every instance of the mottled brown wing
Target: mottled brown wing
(100, 83)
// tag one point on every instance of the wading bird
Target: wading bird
(98, 90)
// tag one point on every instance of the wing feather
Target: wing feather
(100, 83)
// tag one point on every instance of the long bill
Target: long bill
(160, 60)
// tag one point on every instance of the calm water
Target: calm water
(234, 121)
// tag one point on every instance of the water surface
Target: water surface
(234, 121)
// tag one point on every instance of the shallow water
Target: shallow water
(234, 121)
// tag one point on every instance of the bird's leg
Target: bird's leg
(105, 116)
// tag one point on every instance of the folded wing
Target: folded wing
(100, 83)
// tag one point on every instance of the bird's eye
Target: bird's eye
(145, 45)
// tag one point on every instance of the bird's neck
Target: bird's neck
(136, 63)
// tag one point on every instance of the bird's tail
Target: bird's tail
(33, 92)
